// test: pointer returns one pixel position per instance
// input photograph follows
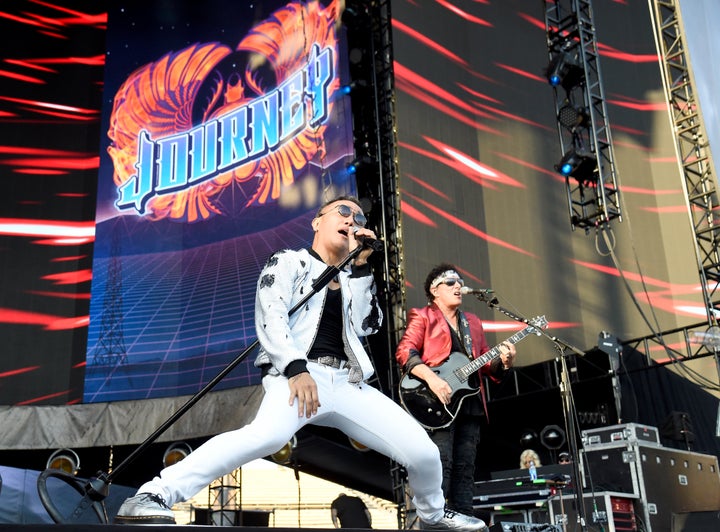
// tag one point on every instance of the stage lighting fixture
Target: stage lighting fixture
(528, 439)
(564, 70)
(580, 164)
(359, 162)
(65, 460)
(355, 55)
(573, 116)
(176, 452)
(552, 437)
(283, 455)
(353, 86)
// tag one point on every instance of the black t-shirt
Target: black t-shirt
(328, 341)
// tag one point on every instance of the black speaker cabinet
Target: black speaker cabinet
(201, 516)
(696, 522)
(205, 516)
(664, 481)
(255, 518)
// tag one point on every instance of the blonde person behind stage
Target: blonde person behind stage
(527, 456)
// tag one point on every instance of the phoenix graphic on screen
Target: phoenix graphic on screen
(252, 131)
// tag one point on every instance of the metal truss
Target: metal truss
(389, 197)
(677, 345)
(389, 187)
(691, 144)
(376, 136)
(110, 349)
(583, 129)
(225, 498)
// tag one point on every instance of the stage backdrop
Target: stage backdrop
(478, 148)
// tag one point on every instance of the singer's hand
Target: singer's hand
(355, 237)
(304, 389)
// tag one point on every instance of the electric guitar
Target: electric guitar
(461, 374)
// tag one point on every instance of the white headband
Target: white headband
(444, 275)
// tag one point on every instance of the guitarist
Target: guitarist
(432, 334)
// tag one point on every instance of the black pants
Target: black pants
(458, 449)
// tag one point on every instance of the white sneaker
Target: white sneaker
(144, 509)
(456, 521)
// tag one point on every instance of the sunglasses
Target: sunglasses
(450, 281)
(345, 211)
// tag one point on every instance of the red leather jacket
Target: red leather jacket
(427, 339)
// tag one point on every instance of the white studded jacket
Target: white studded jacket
(286, 279)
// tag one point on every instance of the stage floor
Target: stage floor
(143, 528)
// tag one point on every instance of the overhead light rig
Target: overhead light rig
(587, 161)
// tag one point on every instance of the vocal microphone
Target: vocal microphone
(464, 290)
(368, 242)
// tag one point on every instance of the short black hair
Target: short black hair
(339, 198)
(437, 270)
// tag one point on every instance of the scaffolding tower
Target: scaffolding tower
(375, 139)
(588, 162)
(692, 148)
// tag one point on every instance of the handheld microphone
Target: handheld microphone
(467, 290)
(367, 242)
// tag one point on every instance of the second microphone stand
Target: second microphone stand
(568, 403)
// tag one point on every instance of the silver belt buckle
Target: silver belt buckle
(330, 361)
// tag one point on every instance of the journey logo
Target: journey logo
(185, 128)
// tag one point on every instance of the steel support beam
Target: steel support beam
(376, 136)
(691, 145)
(694, 159)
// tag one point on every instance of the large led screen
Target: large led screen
(224, 128)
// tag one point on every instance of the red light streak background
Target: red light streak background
(478, 143)
(51, 73)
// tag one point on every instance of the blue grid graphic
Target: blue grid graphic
(185, 315)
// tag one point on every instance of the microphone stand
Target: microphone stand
(96, 489)
(569, 414)
(567, 402)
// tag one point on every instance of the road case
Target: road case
(628, 432)
(663, 480)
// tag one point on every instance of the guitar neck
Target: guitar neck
(480, 361)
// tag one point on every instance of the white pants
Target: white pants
(359, 410)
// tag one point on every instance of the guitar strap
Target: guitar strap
(466, 339)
